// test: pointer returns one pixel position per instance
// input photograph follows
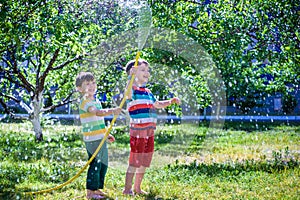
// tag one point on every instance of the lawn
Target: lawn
(239, 162)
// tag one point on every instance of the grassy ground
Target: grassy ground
(190, 162)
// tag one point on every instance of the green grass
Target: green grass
(239, 162)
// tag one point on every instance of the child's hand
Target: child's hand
(111, 138)
(117, 111)
(175, 100)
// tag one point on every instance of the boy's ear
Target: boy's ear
(79, 89)
(133, 70)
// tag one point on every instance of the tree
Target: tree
(255, 44)
(42, 47)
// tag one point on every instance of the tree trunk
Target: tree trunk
(35, 120)
(37, 128)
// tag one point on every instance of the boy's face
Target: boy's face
(88, 88)
(142, 74)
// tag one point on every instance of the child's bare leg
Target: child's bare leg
(89, 192)
(128, 180)
(138, 180)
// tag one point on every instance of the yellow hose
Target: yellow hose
(101, 143)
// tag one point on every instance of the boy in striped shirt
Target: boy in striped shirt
(93, 127)
(141, 105)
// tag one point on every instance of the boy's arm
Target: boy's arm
(132, 71)
(129, 96)
(163, 104)
(104, 112)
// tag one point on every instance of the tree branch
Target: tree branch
(8, 76)
(37, 79)
(6, 109)
(10, 97)
(65, 101)
(19, 74)
(68, 62)
(42, 79)
(30, 60)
